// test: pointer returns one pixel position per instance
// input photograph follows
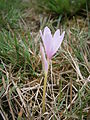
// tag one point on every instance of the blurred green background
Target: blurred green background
(61, 6)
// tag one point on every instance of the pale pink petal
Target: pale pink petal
(44, 61)
(51, 44)
(56, 34)
(57, 40)
(47, 40)
(47, 30)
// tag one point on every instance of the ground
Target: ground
(21, 74)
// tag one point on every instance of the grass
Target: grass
(9, 13)
(21, 77)
(60, 6)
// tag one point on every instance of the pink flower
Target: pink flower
(51, 43)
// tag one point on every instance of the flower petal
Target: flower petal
(56, 34)
(47, 31)
(47, 40)
(44, 61)
(57, 40)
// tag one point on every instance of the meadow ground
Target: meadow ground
(21, 75)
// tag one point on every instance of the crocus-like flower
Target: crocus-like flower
(51, 43)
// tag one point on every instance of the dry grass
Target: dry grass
(68, 84)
